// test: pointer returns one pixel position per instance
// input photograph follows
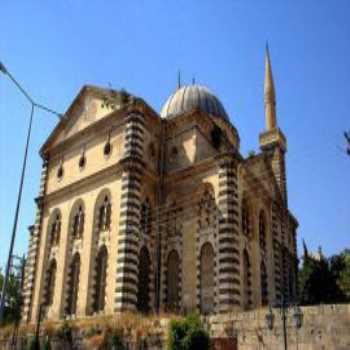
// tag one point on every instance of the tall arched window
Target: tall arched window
(78, 223)
(143, 297)
(173, 219)
(104, 217)
(173, 273)
(146, 217)
(207, 283)
(73, 286)
(101, 277)
(262, 231)
(51, 279)
(55, 231)
(207, 210)
(264, 284)
(245, 218)
(247, 281)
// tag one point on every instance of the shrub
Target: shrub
(115, 339)
(47, 344)
(187, 334)
(65, 332)
(33, 344)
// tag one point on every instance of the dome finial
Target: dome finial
(194, 80)
(179, 79)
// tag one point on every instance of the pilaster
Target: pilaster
(228, 242)
(129, 221)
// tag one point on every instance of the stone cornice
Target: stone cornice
(114, 169)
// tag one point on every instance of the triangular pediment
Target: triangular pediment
(87, 108)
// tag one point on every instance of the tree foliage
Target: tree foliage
(188, 334)
(323, 280)
(13, 302)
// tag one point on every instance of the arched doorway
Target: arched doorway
(207, 283)
(173, 273)
(101, 276)
(73, 285)
(143, 298)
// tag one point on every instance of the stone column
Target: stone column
(228, 237)
(129, 221)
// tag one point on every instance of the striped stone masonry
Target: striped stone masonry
(284, 258)
(228, 237)
(33, 251)
(276, 253)
(278, 166)
(129, 222)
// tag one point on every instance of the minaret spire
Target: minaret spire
(269, 94)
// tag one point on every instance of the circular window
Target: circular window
(107, 149)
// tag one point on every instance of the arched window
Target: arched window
(51, 279)
(247, 281)
(143, 299)
(264, 284)
(101, 277)
(262, 231)
(73, 285)
(146, 218)
(55, 231)
(173, 221)
(173, 273)
(207, 283)
(104, 217)
(78, 224)
(245, 218)
(207, 209)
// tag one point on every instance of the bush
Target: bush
(65, 332)
(188, 334)
(34, 344)
(47, 344)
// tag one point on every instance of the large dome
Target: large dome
(190, 97)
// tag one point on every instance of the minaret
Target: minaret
(272, 140)
(269, 94)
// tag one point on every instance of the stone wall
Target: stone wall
(323, 327)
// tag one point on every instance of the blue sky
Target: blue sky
(55, 47)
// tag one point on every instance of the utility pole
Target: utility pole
(284, 321)
(33, 105)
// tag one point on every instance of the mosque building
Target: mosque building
(152, 212)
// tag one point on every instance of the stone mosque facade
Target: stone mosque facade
(148, 212)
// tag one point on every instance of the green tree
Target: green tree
(188, 334)
(340, 267)
(12, 312)
(323, 280)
